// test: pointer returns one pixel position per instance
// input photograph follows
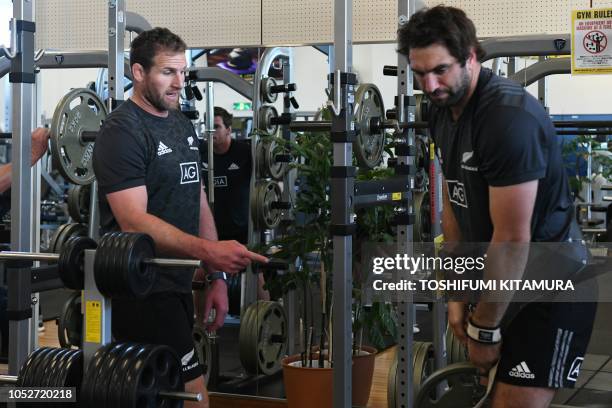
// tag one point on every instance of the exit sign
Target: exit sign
(242, 106)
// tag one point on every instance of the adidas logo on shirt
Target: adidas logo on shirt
(233, 166)
(522, 371)
(163, 149)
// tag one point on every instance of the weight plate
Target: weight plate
(140, 277)
(368, 145)
(117, 374)
(78, 203)
(104, 374)
(265, 85)
(71, 262)
(63, 233)
(70, 324)
(422, 367)
(49, 371)
(25, 367)
(79, 110)
(131, 367)
(71, 374)
(458, 384)
(55, 237)
(455, 350)
(203, 350)
(234, 289)
(267, 149)
(422, 221)
(266, 113)
(422, 114)
(264, 340)
(89, 379)
(101, 261)
(119, 270)
(264, 195)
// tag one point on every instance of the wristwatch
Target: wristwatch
(486, 335)
(216, 275)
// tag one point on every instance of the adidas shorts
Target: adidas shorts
(545, 343)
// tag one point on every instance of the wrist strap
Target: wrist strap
(485, 335)
(216, 275)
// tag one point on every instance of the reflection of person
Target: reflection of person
(146, 162)
(40, 136)
(233, 168)
(505, 182)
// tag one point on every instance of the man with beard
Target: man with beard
(505, 183)
(146, 160)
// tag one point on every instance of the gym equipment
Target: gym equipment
(70, 262)
(77, 118)
(266, 115)
(124, 264)
(70, 322)
(134, 375)
(63, 233)
(263, 337)
(266, 90)
(422, 367)
(270, 159)
(78, 203)
(455, 350)
(458, 385)
(204, 350)
(369, 143)
(266, 204)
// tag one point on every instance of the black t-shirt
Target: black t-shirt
(503, 137)
(135, 148)
(232, 180)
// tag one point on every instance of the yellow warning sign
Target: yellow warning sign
(93, 322)
(591, 49)
(396, 196)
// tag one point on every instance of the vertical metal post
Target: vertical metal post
(22, 79)
(116, 44)
(405, 113)
(210, 131)
(342, 190)
(542, 88)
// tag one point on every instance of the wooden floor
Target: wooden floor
(378, 395)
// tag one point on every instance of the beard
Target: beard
(455, 94)
(157, 100)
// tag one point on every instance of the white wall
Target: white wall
(566, 94)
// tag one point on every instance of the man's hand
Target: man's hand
(215, 297)
(483, 356)
(229, 256)
(40, 137)
(457, 319)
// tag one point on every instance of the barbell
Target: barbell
(124, 264)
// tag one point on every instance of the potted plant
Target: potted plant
(309, 240)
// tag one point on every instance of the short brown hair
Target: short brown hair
(448, 26)
(148, 43)
(226, 117)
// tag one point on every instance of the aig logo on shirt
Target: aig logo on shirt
(456, 193)
(189, 173)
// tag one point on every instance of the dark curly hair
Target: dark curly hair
(149, 43)
(448, 26)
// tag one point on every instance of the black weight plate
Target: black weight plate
(48, 371)
(71, 261)
(141, 277)
(110, 371)
(78, 202)
(233, 294)
(70, 322)
(130, 389)
(116, 384)
(101, 263)
(89, 380)
(73, 229)
(55, 238)
(32, 377)
(25, 367)
(55, 374)
(71, 374)
(167, 368)
(111, 275)
(104, 375)
(121, 254)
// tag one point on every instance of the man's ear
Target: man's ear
(138, 72)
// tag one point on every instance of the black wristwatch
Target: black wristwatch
(216, 275)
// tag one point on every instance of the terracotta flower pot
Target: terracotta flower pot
(312, 387)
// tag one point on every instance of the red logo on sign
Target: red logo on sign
(595, 42)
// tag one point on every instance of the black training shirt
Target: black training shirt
(232, 180)
(503, 137)
(135, 148)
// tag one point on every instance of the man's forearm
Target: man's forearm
(5, 177)
(505, 260)
(169, 240)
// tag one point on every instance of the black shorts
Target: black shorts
(162, 318)
(545, 343)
